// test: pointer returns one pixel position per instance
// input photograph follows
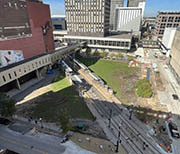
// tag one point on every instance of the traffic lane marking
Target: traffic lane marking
(21, 144)
(89, 98)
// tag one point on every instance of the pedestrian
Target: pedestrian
(36, 122)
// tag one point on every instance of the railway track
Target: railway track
(134, 140)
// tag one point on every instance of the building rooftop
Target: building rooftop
(169, 12)
(58, 16)
(121, 35)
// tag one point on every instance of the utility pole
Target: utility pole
(110, 118)
(118, 140)
(40, 119)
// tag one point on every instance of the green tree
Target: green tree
(88, 51)
(64, 120)
(144, 88)
(96, 53)
(103, 54)
(120, 55)
(7, 105)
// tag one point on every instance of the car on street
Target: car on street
(173, 130)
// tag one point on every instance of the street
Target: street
(27, 144)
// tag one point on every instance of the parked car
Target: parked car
(173, 130)
(4, 121)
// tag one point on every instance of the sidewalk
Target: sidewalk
(50, 128)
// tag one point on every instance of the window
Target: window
(4, 79)
(169, 25)
(15, 73)
(170, 19)
(177, 19)
(161, 32)
(175, 25)
(162, 25)
(164, 19)
(9, 76)
(36, 64)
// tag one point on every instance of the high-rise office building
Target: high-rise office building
(88, 20)
(87, 17)
(128, 19)
(137, 3)
(114, 5)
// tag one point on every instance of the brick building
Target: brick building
(166, 20)
(31, 29)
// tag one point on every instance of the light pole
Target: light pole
(110, 118)
(130, 113)
(118, 140)
(40, 119)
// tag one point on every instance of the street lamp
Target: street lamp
(110, 118)
(40, 119)
(130, 113)
(118, 140)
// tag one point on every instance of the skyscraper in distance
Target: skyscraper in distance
(137, 3)
(114, 5)
(87, 17)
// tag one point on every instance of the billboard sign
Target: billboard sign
(10, 56)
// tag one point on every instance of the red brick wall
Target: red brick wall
(39, 15)
(30, 46)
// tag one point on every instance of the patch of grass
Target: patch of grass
(59, 83)
(62, 96)
(116, 75)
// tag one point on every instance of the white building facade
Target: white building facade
(128, 19)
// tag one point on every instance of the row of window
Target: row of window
(100, 42)
(28, 68)
(170, 19)
(164, 25)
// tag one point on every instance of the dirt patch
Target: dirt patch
(96, 145)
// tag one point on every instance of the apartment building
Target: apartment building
(166, 20)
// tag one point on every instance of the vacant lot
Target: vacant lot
(118, 76)
(61, 95)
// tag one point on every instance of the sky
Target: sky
(152, 6)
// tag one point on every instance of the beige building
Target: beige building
(175, 55)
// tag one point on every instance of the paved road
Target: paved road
(23, 143)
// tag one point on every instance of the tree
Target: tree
(88, 51)
(144, 88)
(64, 120)
(7, 105)
(103, 54)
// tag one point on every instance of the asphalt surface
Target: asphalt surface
(27, 144)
